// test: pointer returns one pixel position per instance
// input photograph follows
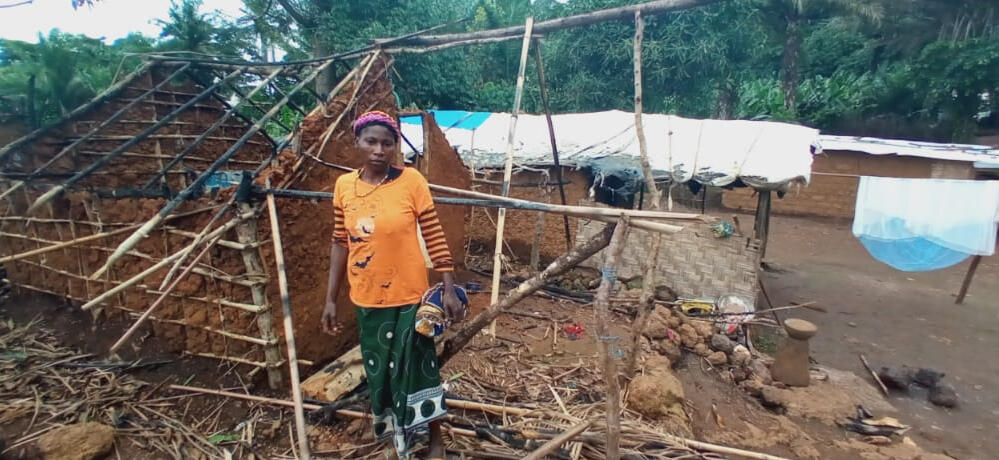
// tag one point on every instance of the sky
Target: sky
(107, 19)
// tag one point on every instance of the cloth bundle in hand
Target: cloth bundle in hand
(431, 317)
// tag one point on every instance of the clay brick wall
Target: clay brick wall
(833, 190)
(692, 262)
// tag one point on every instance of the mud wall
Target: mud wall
(193, 315)
(520, 225)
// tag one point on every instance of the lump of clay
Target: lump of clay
(657, 394)
(717, 358)
(82, 441)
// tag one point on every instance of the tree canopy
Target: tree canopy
(923, 69)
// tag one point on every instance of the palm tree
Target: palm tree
(787, 19)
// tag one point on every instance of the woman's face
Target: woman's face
(379, 144)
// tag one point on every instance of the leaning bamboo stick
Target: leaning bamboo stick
(645, 305)
(557, 441)
(189, 192)
(464, 334)
(601, 306)
(145, 273)
(132, 141)
(508, 168)
(159, 301)
(197, 241)
(539, 63)
(289, 328)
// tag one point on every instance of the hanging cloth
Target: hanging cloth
(926, 224)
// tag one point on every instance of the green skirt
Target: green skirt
(402, 372)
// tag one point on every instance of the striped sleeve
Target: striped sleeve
(431, 228)
(339, 228)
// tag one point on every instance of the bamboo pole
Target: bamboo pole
(197, 241)
(606, 215)
(557, 441)
(100, 163)
(584, 19)
(289, 328)
(645, 304)
(159, 301)
(231, 335)
(508, 168)
(107, 122)
(145, 273)
(188, 192)
(101, 98)
(464, 334)
(205, 135)
(247, 232)
(539, 63)
(601, 307)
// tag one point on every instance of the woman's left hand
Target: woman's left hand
(455, 309)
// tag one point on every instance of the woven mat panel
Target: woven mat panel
(692, 262)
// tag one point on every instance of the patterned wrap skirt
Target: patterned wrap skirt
(403, 374)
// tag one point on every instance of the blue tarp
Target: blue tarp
(448, 119)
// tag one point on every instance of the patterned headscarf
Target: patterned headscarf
(375, 117)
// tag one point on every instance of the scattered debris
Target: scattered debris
(573, 331)
(864, 423)
(943, 395)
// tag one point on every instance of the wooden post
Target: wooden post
(762, 227)
(289, 328)
(539, 63)
(508, 168)
(645, 303)
(246, 233)
(605, 342)
(425, 162)
(539, 230)
(967, 279)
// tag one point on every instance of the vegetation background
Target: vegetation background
(918, 69)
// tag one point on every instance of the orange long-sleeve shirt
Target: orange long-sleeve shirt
(378, 224)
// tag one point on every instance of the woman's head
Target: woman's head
(378, 135)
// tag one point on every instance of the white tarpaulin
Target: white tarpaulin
(762, 154)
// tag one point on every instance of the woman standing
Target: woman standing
(377, 212)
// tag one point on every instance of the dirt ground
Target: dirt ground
(896, 318)
(887, 315)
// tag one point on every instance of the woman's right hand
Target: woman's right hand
(330, 325)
